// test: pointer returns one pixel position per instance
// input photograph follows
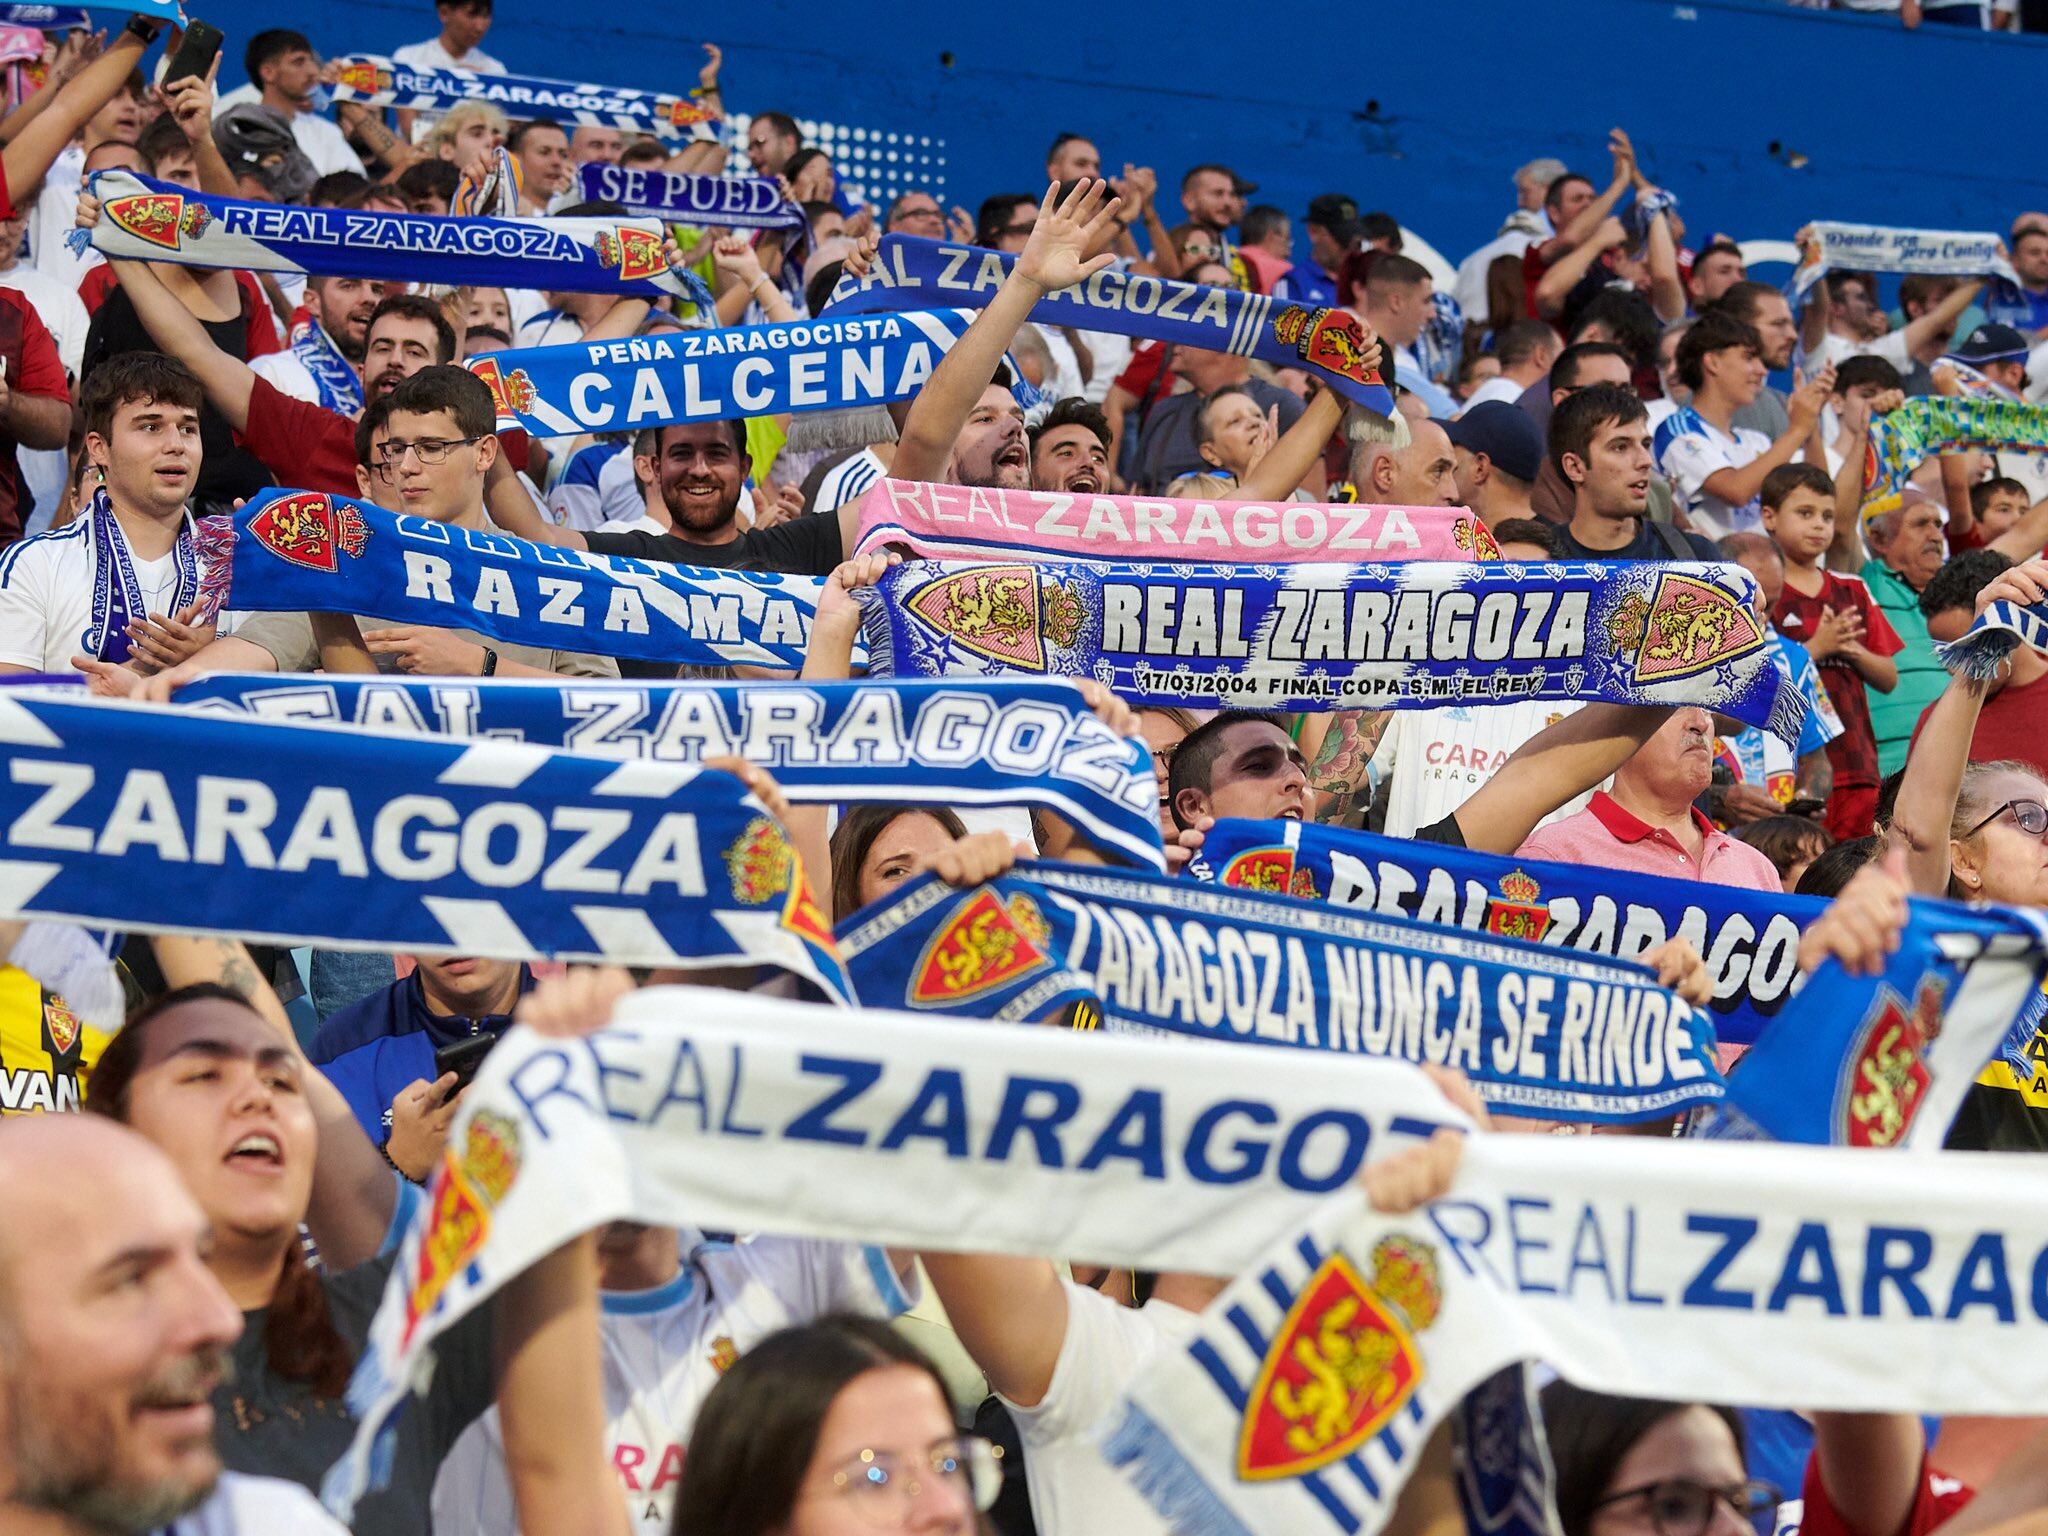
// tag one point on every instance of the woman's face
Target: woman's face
(891, 1418)
(2001, 862)
(1236, 432)
(1693, 1445)
(223, 1097)
(906, 845)
(487, 306)
(1162, 734)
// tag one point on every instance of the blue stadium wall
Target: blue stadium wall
(1759, 115)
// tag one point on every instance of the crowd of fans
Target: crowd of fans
(189, 1271)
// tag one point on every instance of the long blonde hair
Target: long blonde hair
(1974, 805)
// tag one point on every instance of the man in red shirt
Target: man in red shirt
(35, 402)
(2009, 725)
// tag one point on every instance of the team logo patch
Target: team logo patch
(159, 218)
(984, 945)
(1886, 1077)
(1343, 1363)
(310, 530)
(512, 394)
(1273, 871)
(1325, 338)
(761, 863)
(61, 1024)
(1475, 538)
(467, 1187)
(681, 113)
(1518, 912)
(635, 252)
(1686, 627)
(723, 1353)
(364, 76)
(998, 611)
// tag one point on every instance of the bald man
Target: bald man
(113, 1335)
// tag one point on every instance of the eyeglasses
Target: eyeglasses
(1681, 1507)
(2031, 816)
(882, 1486)
(432, 450)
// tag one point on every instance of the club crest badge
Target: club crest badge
(987, 943)
(1885, 1076)
(468, 1186)
(1519, 911)
(1684, 628)
(311, 530)
(636, 253)
(1272, 871)
(161, 219)
(1325, 338)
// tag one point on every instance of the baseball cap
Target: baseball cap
(1329, 209)
(257, 141)
(1504, 433)
(1992, 343)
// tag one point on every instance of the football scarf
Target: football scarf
(1816, 1279)
(1323, 637)
(307, 552)
(1998, 631)
(373, 80)
(1872, 248)
(722, 202)
(912, 273)
(1930, 425)
(145, 220)
(957, 522)
(1540, 1031)
(62, 18)
(740, 1113)
(741, 370)
(117, 599)
(341, 391)
(347, 839)
(1023, 742)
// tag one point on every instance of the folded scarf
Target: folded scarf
(1323, 637)
(307, 552)
(746, 370)
(1020, 742)
(910, 273)
(740, 1113)
(339, 386)
(1874, 248)
(145, 220)
(958, 522)
(1539, 1031)
(373, 80)
(348, 839)
(724, 202)
(1816, 1280)
(1930, 425)
(1997, 632)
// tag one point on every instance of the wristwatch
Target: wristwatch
(148, 28)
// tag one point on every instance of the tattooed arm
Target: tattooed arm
(1340, 750)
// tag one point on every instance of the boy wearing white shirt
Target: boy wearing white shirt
(463, 25)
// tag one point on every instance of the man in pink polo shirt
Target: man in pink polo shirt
(1648, 822)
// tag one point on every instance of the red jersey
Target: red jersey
(1853, 754)
(2009, 727)
(29, 354)
(1936, 1499)
(308, 447)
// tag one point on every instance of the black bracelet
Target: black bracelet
(490, 663)
(148, 28)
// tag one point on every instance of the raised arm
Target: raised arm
(1667, 293)
(1588, 218)
(1052, 259)
(1562, 276)
(228, 381)
(1300, 447)
(1869, 1463)
(1552, 767)
(1918, 332)
(27, 158)
(1011, 1314)
(1739, 486)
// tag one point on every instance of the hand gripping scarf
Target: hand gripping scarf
(308, 552)
(117, 599)
(863, 743)
(1540, 1031)
(744, 370)
(1322, 637)
(1997, 632)
(351, 839)
(1809, 1278)
(340, 390)
(742, 1113)
(374, 80)
(1930, 425)
(957, 522)
(1873, 248)
(145, 220)
(910, 273)
(721, 202)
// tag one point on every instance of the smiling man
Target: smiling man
(1070, 449)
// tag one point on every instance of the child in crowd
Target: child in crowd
(1791, 843)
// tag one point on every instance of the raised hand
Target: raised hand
(1056, 255)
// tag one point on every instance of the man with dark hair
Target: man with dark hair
(324, 361)
(544, 164)
(464, 25)
(1396, 297)
(427, 185)
(1332, 225)
(1600, 447)
(772, 138)
(1717, 268)
(2023, 305)
(1070, 448)
(1213, 196)
(2009, 725)
(1004, 222)
(284, 73)
(1527, 351)
(1073, 157)
(1765, 311)
(1579, 365)
(125, 570)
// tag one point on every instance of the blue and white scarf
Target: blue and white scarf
(60, 18)
(1026, 742)
(339, 385)
(349, 839)
(145, 220)
(1324, 637)
(375, 80)
(746, 370)
(1999, 630)
(307, 552)
(1875, 248)
(1541, 1031)
(724, 202)
(911, 273)
(117, 599)
(1748, 939)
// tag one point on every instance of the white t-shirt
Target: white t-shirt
(1690, 450)
(1499, 387)
(664, 1350)
(287, 375)
(1439, 758)
(320, 139)
(1469, 287)
(53, 216)
(548, 328)
(257, 1506)
(1834, 351)
(1074, 1492)
(597, 489)
(848, 480)
(431, 55)
(46, 595)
